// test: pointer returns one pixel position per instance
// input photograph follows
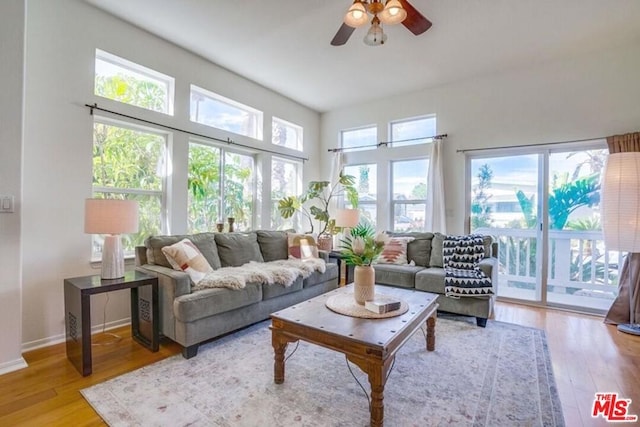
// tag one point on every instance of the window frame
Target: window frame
(162, 193)
(223, 151)
(135, 68)
(424, 140)
(393, 202)
(257, 116)
(299, 168)
(362, 147)
(297, 129)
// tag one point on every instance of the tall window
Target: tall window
(361, 137)
(286, 177)
(286, 134)
(215, 110)
(409, 194)
(130, 163)
(412, 131)
(221, 185)
(366, 184)
(130, 83)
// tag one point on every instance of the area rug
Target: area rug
(500, 375)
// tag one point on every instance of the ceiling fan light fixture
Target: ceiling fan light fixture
(375, 36)
(356, 16)
(393, 13)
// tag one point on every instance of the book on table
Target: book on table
(382, 306)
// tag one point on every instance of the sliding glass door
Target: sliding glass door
(551, 249)
(505, 203)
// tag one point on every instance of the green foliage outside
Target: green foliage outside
(313, 204)
(206, 206)
(125, 160)
(129, 90)
(567, 194)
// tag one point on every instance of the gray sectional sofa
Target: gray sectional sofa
(428, 274)
(191, 317)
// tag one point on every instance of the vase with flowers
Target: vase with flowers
(360, 248)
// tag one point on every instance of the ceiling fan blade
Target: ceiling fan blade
(415, 21)
(342, 35)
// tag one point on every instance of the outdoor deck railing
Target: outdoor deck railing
(578, 261)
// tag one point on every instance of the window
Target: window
(130, 163)
(413, 131)
(214, 110)
(366, 182)
(221, 185)
(286, 134)
(353, 138)
(130, 83)
(409, 190)
(286, 177)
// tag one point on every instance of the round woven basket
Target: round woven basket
(346, 304)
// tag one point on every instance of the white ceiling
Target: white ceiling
(284, 44)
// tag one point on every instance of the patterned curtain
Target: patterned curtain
(627, 302)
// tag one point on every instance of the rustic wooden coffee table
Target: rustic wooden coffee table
(369, 343)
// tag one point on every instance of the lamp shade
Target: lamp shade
(620, 202)
(393, 13)
(110, 216)
(347, 218)
(356, 15)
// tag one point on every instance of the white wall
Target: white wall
(12, 71)
(60, 49)
(577, 98)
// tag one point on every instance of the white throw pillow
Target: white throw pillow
(185, 256)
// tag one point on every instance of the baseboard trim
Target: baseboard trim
(60, 338)
(13, 365)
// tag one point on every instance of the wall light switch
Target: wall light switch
(6, 204)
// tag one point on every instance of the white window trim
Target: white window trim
(145, 71)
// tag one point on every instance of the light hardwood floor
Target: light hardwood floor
(587, 356)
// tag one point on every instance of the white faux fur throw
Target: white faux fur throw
(283, 272)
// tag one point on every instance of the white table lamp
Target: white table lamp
(112, 218)
(620, 207)
(346, 219)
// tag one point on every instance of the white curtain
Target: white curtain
(435, 216)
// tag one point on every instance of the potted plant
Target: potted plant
(360, 248)
(314, 205)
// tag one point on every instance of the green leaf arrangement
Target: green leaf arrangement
(362, 246)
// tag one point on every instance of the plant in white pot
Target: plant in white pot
(314, 205)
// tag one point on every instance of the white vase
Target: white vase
(364, 283)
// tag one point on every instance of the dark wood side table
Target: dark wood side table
(77, 305)
(348, 269)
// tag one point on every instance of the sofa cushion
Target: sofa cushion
(205, 242)
(431, 280)
(419, 249)
(185, 256)
(236, 249)
(273, 245)
(436, 259)
(394, 251)
(396, 275)
(302, 246)
(276, 290)
(208, 302)
(316, 277)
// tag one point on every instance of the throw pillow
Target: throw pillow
(185, 256)
(395, 251)
(302, 246)
(236, 249)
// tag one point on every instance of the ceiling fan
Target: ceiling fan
(391, 12)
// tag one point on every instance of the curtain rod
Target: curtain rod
(227, 141)
(468, 150)
(386, 143)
